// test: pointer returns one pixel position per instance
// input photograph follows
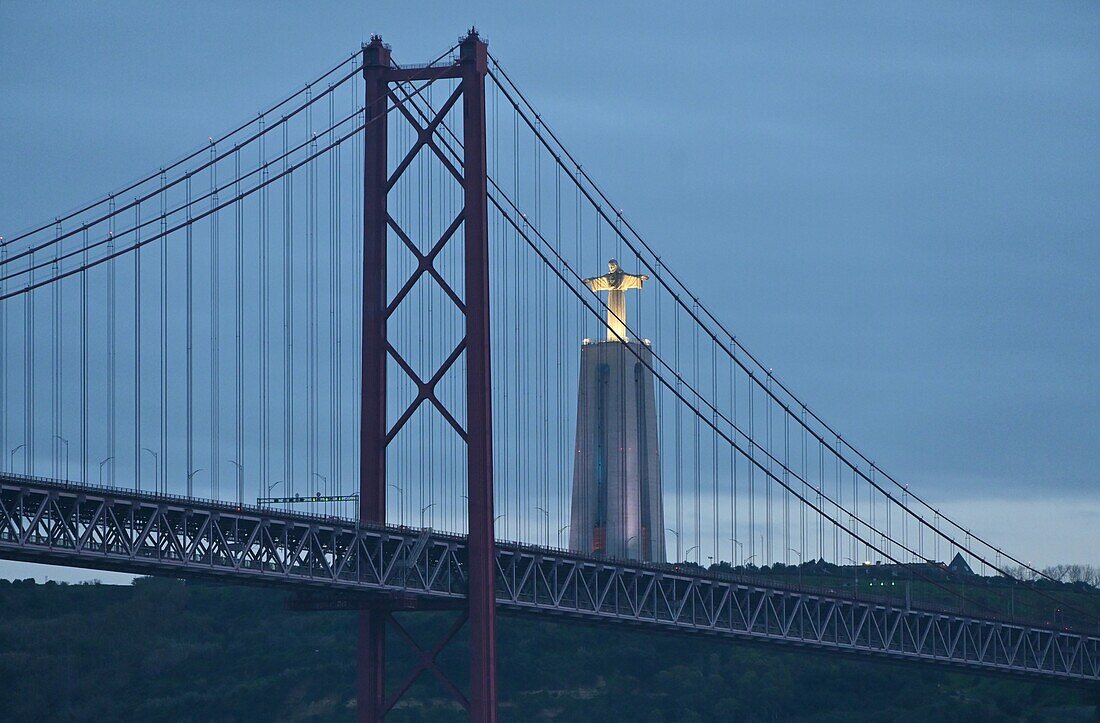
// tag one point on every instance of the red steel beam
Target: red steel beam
(473, 59)
(370, 676)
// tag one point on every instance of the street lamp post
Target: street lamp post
(268, 489)
(66, 443)
(740, 549)
(400, 497)
(11, 458)
(424, 509)
(799, 553)
(561, 529)
(156, 468)
(855, 574)
(669, 529)
(101, 463)
(688, 551)
(324, 482)
(547, 513)
(191, 476)
(240, 481)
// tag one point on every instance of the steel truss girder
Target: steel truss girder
(114, 529)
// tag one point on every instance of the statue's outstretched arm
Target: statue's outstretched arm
(597, 283)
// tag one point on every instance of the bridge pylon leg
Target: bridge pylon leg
(371, 666)
(479, 481)
(371, 658)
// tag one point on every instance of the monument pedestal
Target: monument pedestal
(617, 509)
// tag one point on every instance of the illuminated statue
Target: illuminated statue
(616, 282)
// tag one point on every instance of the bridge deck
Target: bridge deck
(112, 529)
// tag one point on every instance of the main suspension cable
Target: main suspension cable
(182, 160)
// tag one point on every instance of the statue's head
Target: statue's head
(612, 265)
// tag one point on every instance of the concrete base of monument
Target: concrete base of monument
(616, 507)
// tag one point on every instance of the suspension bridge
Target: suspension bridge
(273, 361)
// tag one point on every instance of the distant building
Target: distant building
(959, 566)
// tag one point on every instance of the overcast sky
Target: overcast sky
(897, 206)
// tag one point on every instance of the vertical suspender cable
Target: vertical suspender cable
(238, 330)
(871, 513)
(752, 477)
(787, 480)
(334, 302)
(805, 491)
(55, 346)
(111, 420)
(768, 550)
(735, 539)
(541, 389)
(821, 520)
(4, 364)
(839, 498)
(696, 439)
(820, 488)
(855, 511)
(355, 231)
(264, 319)
(920, 544)
(311, 298)
(521, 493)
(581, 316)
(887, 504)
(190, 334)
(215, 327)
(288, 327)
(560, 393)
(426, 185)
(357, 277)
(413, 221)
(83, 361)
(28, 370)
(501, 453)
(905, 520)
(714, 451)
(679, 448)
(500, 370)
(137, 348)
(162, 461)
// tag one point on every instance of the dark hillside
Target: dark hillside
(173, 650)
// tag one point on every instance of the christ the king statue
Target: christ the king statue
(616, 282)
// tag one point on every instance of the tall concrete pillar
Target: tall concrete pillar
(617, 509)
